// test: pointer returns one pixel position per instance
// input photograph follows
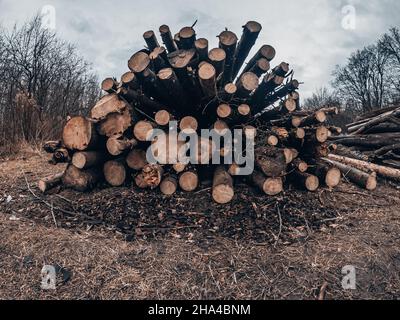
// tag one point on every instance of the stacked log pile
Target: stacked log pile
(200, 87)
(372, 143)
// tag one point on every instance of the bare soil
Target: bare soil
(125, 243)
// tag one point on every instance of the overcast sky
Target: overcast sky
(308, 34)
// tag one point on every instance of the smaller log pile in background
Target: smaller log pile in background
(201, 88)
(372, 143)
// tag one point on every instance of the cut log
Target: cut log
(228, 41)
(146, 103)
(207, 78)
(79, 134)
(163, 117)
(222, 189)
(116, 123)
(327, 173)
(151, 40)
(115, 172)
(270, 186)
(87, 159)
(290, 154)
(217, 58)
(108, 104)
(365, 180)
(314, 119)
(246, 84)
(266, 52)
(201, 46)
(81, 180)
(129, 80)
(171, 83)
(251, 30)
(281, 70)
(224, 111)
(136, 159)
(61, 155)
(300, 165)
(167, 39)
(189, 180)
(306, 180)
(51, 182)
(188, 124)
(158, 59)
(143, 130)
(260, 67)
(169, 185)
(52, 146)
(109, 85)
(118, 145)
(179, 167)
(187, 37)
(366, 166)
(150, 177)
(271, 161)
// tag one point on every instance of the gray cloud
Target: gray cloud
(305, 33)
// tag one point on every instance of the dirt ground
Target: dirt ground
(124, 243)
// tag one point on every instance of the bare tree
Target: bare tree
(390, 44)
(363, 82)
(322, 97)
(42, 79)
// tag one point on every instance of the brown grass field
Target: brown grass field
(124, 243)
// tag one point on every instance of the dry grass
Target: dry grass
(196, 264)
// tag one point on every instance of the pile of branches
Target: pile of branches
(372, 143)
(199, 88)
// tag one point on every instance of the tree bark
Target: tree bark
(81, 180)
(250, 34)
(167, 39)
(228, 42)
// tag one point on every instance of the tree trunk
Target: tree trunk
(306, 180)
(222, 189)
(117, 145)
(271, 161)
(136, 159)
(81, 180)
(328, 173)
(270, 186)
(189, 180)
(110, 103)
(49, 183)
(169, 185)
(87, 159)
(109, 85)
(266, 52)
(115, 172)
(79, 134)
(151, 40)
(361, 178)
(116, 123)
(362, 165)
(250, 34)
(228, 41)
(246, 84)
(217, 58)
(207, 78)
(167, 39)
(150, 177)
(143, 129)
